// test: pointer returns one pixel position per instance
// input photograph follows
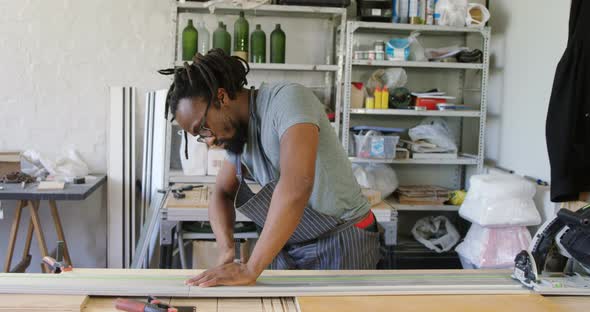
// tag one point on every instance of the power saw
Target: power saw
(558, 260)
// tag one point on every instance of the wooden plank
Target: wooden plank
(270, 284)
(197, 198)
(480, 303)
(20, 302)
(50, 186)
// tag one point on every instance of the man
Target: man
(311, 209)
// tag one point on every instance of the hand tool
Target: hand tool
(152, 305)
(57, 266)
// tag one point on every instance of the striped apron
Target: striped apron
(320, 242)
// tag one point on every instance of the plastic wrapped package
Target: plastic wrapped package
(451, 13)
(500, 200)
(379, 177)
(435, 131)
(391, 78)
(67, 166)
(492, 248)
(436, 233)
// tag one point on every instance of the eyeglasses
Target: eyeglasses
(204, 133)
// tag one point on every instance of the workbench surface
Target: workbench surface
(14, 191)
(521, 301)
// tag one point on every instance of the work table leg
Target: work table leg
(13, 232)
(38, 231)
(59, 230)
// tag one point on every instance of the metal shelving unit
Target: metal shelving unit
(331, 67)
(403, 207)
(288, 67)
(410, 112)
(358, 31)
(460, 160)
(410, 64)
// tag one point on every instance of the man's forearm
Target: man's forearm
(222, 217)
(285, 212)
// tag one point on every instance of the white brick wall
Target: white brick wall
(57, 60)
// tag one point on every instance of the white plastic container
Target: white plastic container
(500, 200)
(196, 164)
(492, 248)
(375, 146)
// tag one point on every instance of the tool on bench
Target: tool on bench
(152, 305)
(178, 193)
(57, 266)
(559, 256)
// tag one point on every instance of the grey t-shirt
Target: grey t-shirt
(280, 106)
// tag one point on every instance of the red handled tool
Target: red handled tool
(152, 305)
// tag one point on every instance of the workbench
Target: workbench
(30, 196)
(194, 208)
(489, 296)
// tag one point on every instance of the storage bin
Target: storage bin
(375, 146)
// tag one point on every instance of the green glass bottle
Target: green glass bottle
(222, 39)
(190, 37)
(241, 33)
(277, 45)
(258, 48)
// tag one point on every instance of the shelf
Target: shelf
(410, 27)
(264, 10)
(461, 160)
(176, 176)
(286, 67)
(399, 207)
(413, 64)
(411, 112)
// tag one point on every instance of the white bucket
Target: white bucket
(196, 164)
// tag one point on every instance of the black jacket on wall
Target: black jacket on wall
(568, 117)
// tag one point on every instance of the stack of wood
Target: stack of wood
(422, 195)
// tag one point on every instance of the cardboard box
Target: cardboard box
(205, 253)
(357, 95)
(9, 162)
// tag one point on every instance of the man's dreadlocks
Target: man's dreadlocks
(202, 78)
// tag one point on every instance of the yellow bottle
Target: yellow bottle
(377, 95)
(385, 98)
(370, 102)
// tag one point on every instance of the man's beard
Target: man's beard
(236, 143)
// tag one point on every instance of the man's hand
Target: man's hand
(231, 274)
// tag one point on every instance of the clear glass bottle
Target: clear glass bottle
(204, 38)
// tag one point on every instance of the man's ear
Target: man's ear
(222, 96)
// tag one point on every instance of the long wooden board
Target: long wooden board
(450, 303)
(270, 284)
(21, 302)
